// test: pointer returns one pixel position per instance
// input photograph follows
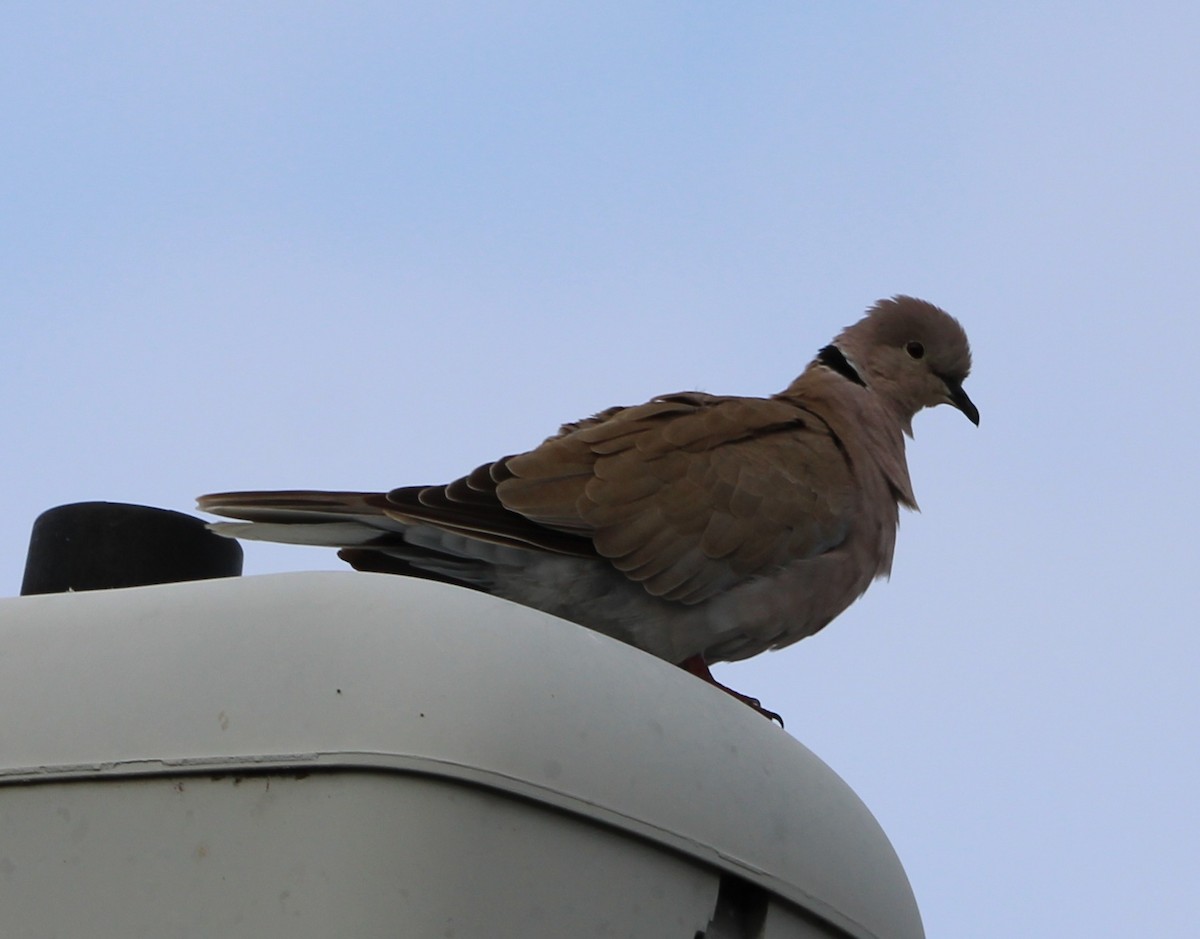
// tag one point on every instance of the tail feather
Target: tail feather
(347, 519)
(299, 506)
(319, 534)
(449, 542)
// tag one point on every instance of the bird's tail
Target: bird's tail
(370, 538)
(326, 519)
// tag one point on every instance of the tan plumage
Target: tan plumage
(692, 525)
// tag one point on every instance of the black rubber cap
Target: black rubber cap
(100, 545)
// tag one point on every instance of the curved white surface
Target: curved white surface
(360, 670)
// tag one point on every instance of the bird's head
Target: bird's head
(912, 354)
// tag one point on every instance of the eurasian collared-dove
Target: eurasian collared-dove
(697, 527)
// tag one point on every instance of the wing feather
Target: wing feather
(690, 494)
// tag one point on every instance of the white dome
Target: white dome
(337, 689)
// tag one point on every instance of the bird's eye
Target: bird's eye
(915, 349)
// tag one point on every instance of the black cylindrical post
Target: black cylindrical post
(99, 545)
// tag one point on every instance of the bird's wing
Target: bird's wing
(687, 495)
(690, 494)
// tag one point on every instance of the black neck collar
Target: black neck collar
(832, 357)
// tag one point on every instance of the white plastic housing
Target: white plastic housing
(361, 755)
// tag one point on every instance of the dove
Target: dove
(699, 528)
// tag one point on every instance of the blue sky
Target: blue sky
(358, 246)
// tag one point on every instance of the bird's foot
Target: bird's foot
(698, 667)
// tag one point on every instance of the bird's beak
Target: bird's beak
(959, 399)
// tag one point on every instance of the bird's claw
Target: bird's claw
(698, 667)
